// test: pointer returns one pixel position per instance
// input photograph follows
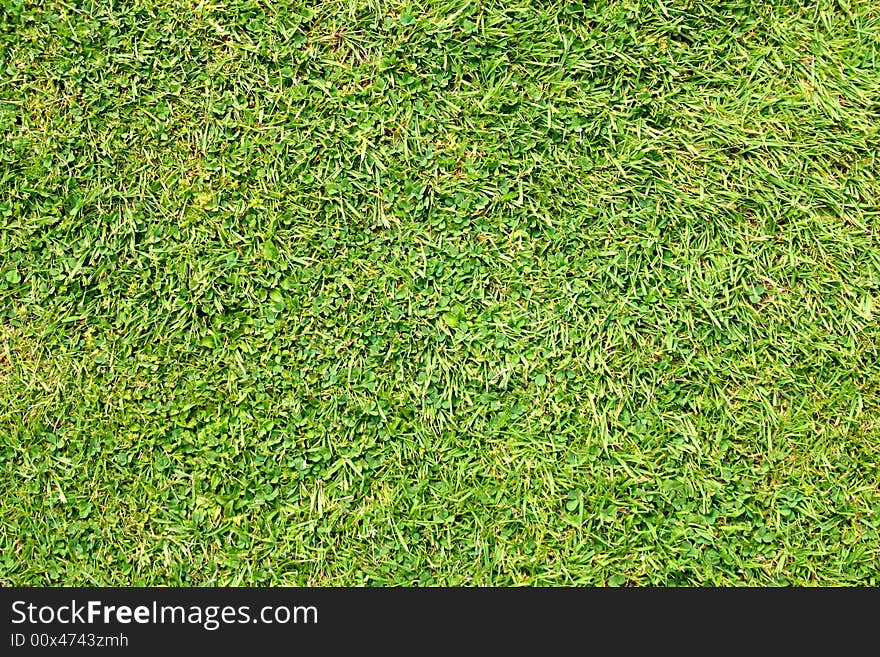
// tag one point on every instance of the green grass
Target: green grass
(442, 292)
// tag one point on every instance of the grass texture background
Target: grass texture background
(366, 292)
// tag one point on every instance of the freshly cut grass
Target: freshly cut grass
(442, 292)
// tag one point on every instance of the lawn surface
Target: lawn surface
(442, 292)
